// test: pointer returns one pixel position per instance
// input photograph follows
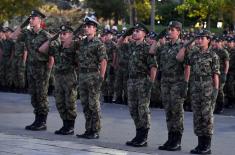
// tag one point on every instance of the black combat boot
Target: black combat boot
(29, 127)
(131, 142)
(40, 123)
(219, 108)
(110, 99)
(204, 145)
(167, 143)
(69, 128)
(229, 104)
(125, 101)
(106, 99)
(175, 144)
(119, 100)
(61, 130)
(142, 140)
(89, 135)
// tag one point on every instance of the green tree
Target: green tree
(108, 9)
(11, 8)
(202, 9)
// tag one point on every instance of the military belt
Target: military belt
(88, 70)
(169, 75)
(202, 78)
(64, 71)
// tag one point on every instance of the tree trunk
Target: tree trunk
(152, 20)
(209, 21)
(233, 19)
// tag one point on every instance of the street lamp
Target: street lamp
(219, 24)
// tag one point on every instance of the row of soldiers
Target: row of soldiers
(14, 61)
(191, 67)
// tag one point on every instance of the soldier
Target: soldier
(39, 67)
(231, 73)
(108, 84)
(19, 65)
(92, 59)
(142, 68)
(65, 78)
(224, 66)
(173, 87)
(203, 68)
(123, 56)
(6, 60)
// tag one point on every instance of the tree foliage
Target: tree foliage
(11, 8)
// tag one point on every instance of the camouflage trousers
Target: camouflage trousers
(19, 72)
(6, 78)
(89, 88)
(139, 91)
(173, 104)
(108, 84)
(156, 94)
(203, 107)
(121, 82)
(38, 81)
(231, 86)
(66, 95)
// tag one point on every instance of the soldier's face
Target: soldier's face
(89, 30)
(65, 36)
(173, 33)
(34, 21)
(203, 41)
(231, 44)
(138, 34)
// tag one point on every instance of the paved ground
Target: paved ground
(117, 128)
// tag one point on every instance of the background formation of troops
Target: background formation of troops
(13, 65)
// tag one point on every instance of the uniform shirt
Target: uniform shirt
(32, 42)
(168, 62)
(19, 48)
(91, 53)
(123, 56)
(204, 64)
(64, 57)
(232, 61)
(223, 56)
(141, 60)
(7, 49)
(110, 50)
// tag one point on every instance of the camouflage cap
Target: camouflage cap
(141, 26)
(204, 33)
(66, 28)
(91, 20)
(107, 31)
(36, 13)
(175, 24)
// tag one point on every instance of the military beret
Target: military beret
(230, 39)
(107, 31)
(175, 24)
(36, 13)
(204, 33)
(141, 26)
(66, 28)
(91, 20)
(152, 35)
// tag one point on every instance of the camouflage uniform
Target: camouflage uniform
(65, 80)
(38, 72)
(172, 78)
(223, 56)
(19, 66)
(108, 84)
(203, 67)
(90, 54)
(231, 78)
(139, 84)
(5, 66)
(123, 56)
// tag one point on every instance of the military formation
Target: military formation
(174, 70)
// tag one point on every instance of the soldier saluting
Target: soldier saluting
(39, 67)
